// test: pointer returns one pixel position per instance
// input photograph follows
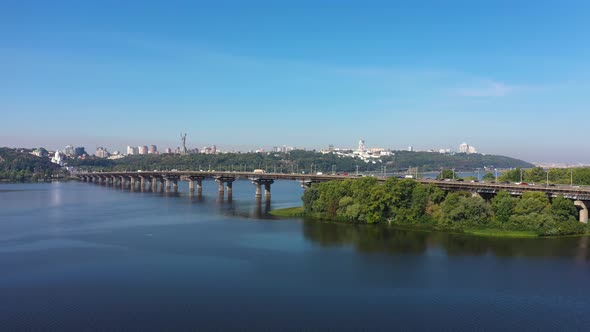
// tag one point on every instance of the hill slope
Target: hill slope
(298, 161)
(20, 166)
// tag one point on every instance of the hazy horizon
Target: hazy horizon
(91, 148)
(508, 78)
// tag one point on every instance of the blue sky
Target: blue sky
(509, 77)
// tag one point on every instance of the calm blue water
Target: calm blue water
(78, 256)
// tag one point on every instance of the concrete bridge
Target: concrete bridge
(168, 180)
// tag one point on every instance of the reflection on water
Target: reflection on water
(364, 238)
(77, 253)
(384, 239)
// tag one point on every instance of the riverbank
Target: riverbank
(290, 212)
(298, 212)
(47, 180)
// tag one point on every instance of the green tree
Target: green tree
(310, 195)
(503, 206)
(536, 174)
(465, 210)
(563, 209)
(448, 174)
(531, 202)
(489, 177)
(510, 176)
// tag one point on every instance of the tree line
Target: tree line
(538, 175)
(296, 161)
(407, 202)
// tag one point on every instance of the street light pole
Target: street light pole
(453, 174)
(495, 169)
(521, 175)
(571, 177)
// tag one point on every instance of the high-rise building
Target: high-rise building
(79, 151)
(101, 152)
(168, 150)
(130, 150)
(463, 147)
(153, 149)
(143, 149)
(69, 151)
(57, 159)
(410, 148)
(466, 148)
(362, 146)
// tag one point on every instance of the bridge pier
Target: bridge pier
(229, 185)
(191, 183)
(142, 183)
(258, 192)
(258, 185)
(226, 181)
(155, 183)
(199, 186)
(172, 182)
(583, 210)
(267, 190)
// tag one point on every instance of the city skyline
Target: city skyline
(122, 148)
(254, 75)
(358, 151)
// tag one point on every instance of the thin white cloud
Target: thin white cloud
(488, 89)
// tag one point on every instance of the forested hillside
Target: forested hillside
(23, 166)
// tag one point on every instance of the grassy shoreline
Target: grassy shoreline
(298, 212)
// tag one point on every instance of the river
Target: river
(77, 256)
